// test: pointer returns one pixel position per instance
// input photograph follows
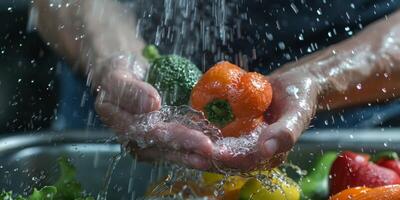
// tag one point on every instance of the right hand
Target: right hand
(122, 95)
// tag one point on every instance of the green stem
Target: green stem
(385, 155)
(151, 52)
(219, 112)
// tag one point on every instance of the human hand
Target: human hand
(123, 96)
(293, 106)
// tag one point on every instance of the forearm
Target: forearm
(362, 69)
(88, 31)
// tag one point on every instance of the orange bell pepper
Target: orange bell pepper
(387, 192)
(232, 99)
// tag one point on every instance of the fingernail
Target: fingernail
(270, 147)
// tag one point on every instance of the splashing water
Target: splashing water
(107, 178)
(193, 119)
(184, 115)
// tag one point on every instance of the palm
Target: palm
(293, 105)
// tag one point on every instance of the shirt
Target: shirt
(259, 35)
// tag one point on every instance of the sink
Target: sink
(30, 159)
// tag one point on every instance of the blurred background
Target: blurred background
(28, 83)
(30, 76)
(30, 89)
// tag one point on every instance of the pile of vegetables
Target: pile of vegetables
(235, 101)
(65, 188)
(232, 99)
(234, 187)
(353, 176)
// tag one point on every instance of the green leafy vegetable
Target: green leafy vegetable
(66, 187)
(4, 195)
(173, 76)
(46, 193)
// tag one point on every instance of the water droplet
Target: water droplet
(359, 86)
(384, 90)
(269, 36)
(385, 75)
(281, 45)
(294, 7)
(301, 37)
(319, 11)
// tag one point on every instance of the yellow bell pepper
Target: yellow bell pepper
(253, 189)
(237, 187)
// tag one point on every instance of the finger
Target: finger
(291, 112)
(165, 135)
(179, 137)
(282, 135)
(122, 88)
(114, 117)
(248, 162)
(244, 163)
(188, 159)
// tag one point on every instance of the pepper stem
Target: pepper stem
(219, 112)
(385, 155)
(151, 52)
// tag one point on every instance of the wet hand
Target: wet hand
(123, 95)
(293, 106)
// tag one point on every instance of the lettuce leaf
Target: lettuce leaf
(66, 187)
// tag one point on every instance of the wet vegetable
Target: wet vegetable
(231, 186)
(232, 99)
(231, 183)
(391, 192)
(65, 188)
(388, 160)
(352, 170)
(8, 195)
(287, 189)
(315, 185)
(46, 193)
(234, 187)
(173, 76)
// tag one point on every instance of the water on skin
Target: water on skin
(194, 119)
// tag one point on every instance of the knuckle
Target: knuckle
(288, 137)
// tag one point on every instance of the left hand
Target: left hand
(293, 106)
